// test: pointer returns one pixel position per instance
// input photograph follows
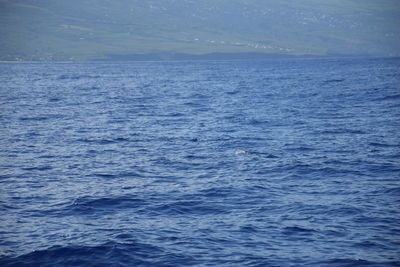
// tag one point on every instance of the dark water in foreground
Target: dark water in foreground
(279, 163)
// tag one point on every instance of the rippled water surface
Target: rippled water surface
(262, 163)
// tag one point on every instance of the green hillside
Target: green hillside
(100, 29)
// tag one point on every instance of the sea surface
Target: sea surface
(286, 162)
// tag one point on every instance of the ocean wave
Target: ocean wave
(334, 80)
(341, 131)
(348, 262)
(376, 144)
(389, 97)
(110, 253)
(103, 141)
(85, 205)
(76, 77)
(188, 208)
(297, 230)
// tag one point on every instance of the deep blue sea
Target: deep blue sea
(286, 162)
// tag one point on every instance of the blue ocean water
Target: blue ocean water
(292, 162)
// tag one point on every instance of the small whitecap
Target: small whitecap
(242, 152)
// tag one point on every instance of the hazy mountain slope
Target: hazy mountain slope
(91, 29)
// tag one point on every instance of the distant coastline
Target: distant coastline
(166, 56)
(229, 56)
(210, 56)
